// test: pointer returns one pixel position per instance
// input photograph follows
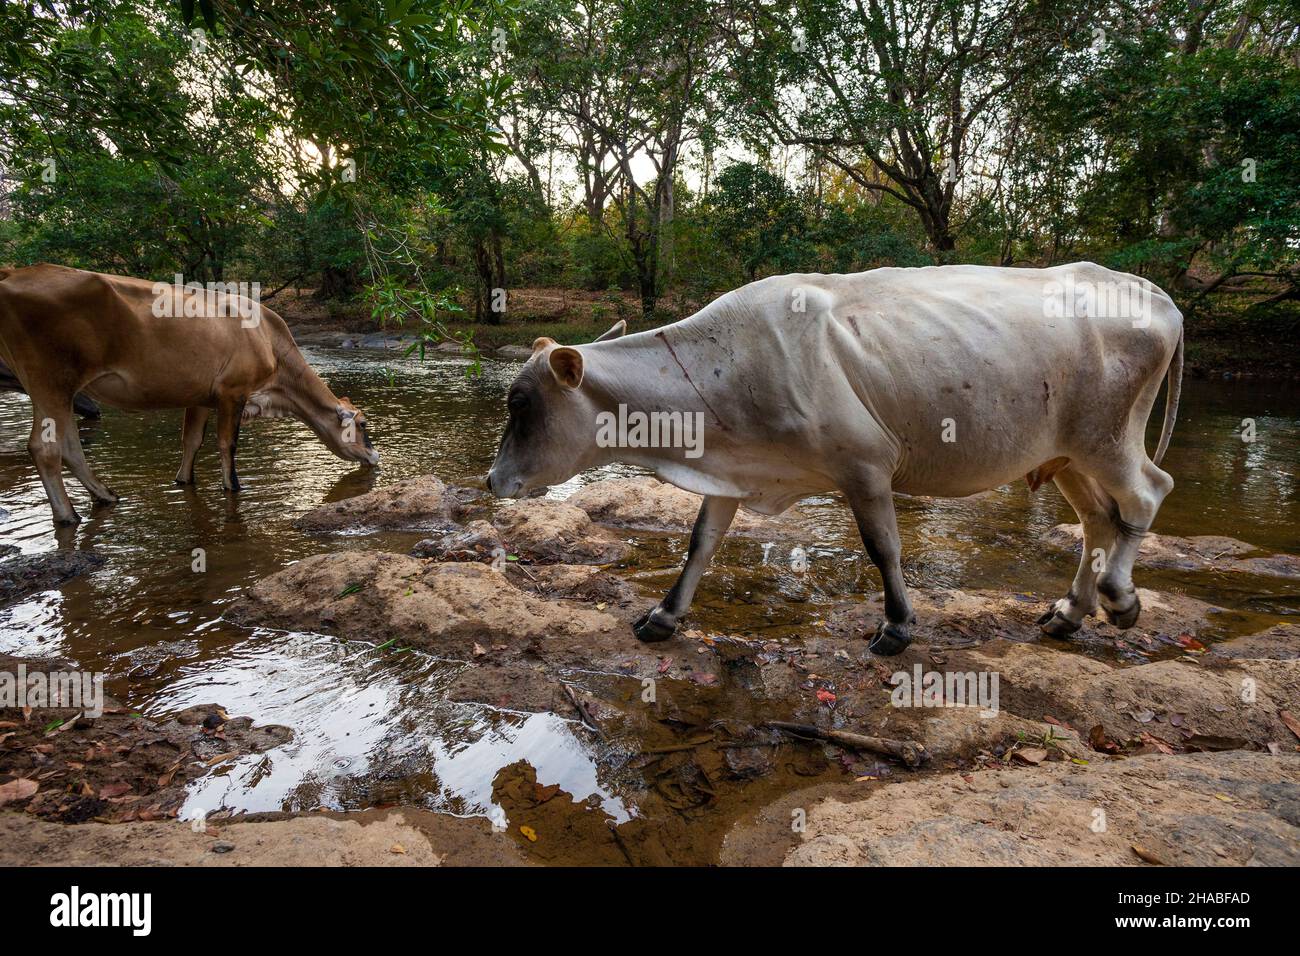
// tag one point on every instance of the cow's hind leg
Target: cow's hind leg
(873, 507)
(1095, 509)
(711, 524)
(51, 420)
(192, 432)
(1138, 488)
(229, 411)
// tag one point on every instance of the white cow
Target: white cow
(941, 381)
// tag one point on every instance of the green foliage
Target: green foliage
(424, 154)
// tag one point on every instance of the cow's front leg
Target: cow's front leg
(659, 623)
(873, 507)
(229, 411)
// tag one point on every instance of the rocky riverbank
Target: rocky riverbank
(1174, 742)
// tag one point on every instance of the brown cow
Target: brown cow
(139, 345)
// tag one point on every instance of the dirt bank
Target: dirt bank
(369, 838)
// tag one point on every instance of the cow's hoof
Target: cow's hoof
(1056, 624)
(1126, 617)
(650, 629)
(68, 522)
(890, 639)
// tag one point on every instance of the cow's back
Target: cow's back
(964, 376)
(105, 333)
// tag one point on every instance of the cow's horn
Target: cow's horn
(617, 330)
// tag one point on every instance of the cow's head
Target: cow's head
(349, 436)
(551, 433)
(351, 440)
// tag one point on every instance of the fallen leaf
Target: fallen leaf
(114, 790)
(479, 650)
(1032, 756)
(530, 833)
(397, 848)
(1156, 742)
(825, 696)
(1098, 741)
(19, 789)
(664, 664)
(221, 758)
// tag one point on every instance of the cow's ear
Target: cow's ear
(618, 330)
(566, 364)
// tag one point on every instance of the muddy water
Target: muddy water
(372, 726)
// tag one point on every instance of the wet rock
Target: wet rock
(387, 341)
(748, 762)
(646, 504)
(552, 531)
(446, 608)
(418, 503)
(21, 575)
(322, 338)
(1221, 809)
(1280, 643)
(1198, 553)
(477, 541)
(514, 353)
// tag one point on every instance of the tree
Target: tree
(902, 97)
(755, 213)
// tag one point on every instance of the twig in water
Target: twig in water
(675, 748)
(584, 714)
(910, 752)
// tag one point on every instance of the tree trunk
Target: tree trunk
(336, 283)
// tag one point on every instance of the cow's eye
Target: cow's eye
(517, 402)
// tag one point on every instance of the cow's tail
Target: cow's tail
(1174, 381)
